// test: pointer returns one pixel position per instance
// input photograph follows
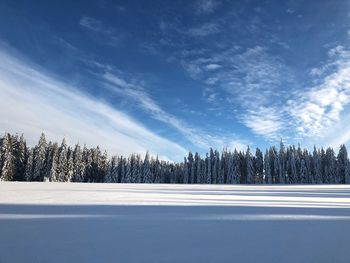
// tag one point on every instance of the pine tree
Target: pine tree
(29, 166)
(39, 159)
(53, 175)
(103, 166)
(269, 168)
(330, 169)
(21, 155)
(293, 179)
(199, 170)
(87, 160)
(222, 167)
(112, 174)
(282, 164)
(342, 161)
(128, 172)
(347, 173)
(8, 160)
(208, 169)
(303, 172)
(70, 166)
(259, 165)
(190, 161)
(185, 171)
(157, 171)
(121, 170)
(146, 171)
(79, 166)
(62, 165)
(250, 167)
(317, 169)
(237, 175)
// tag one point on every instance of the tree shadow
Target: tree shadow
(120, 233)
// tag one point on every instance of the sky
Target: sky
(176, 76)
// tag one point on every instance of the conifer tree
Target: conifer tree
(208, 169)
(8, 162)
(39, 159)
(146, 171)
(250, 167)
(29, 166)
(21, 155)
(62, 164)
(259, 165)
(342, 160)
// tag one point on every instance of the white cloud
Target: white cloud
(94, 25)
(32, 102)
(212, 66)
(317, 110)
(251, 78)
(206, 6)
(204, 30)
(196, 136)
(111, 37)
(264, 121)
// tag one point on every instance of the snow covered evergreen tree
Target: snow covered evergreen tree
(8, 160)
(208, 169)
(128, 172)
(237, 174)
(62, 163)
(342, 162)
(303, 172)
(317, 168)
(21, 155)
(268, 176)
(259, 166)
(282, 164)
(146, 170)
(79, 166)
(53, 175)
(29, 166)
(70, 166)
(39, 159)
(250, 167)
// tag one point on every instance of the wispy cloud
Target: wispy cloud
(94, 25)
(265, 121)
(206, 6)
(319, 108)
(203, 30)
(252, 80)
(33, 102)
(196, 136)
(98, 27)
(213, 66)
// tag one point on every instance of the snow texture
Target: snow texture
(72, 222)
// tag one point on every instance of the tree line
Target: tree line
(49, 161)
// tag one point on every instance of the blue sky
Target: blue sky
(172, 76)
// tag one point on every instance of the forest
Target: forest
(51, 162)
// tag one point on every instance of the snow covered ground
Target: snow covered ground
(67, 222)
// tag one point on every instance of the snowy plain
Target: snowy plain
(72, 222)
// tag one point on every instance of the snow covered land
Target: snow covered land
(74, 222)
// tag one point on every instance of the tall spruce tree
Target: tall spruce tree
(8, 159)
(250, 167)
(21, 155)
(39, 159)
(342, 161)
(146, 170)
